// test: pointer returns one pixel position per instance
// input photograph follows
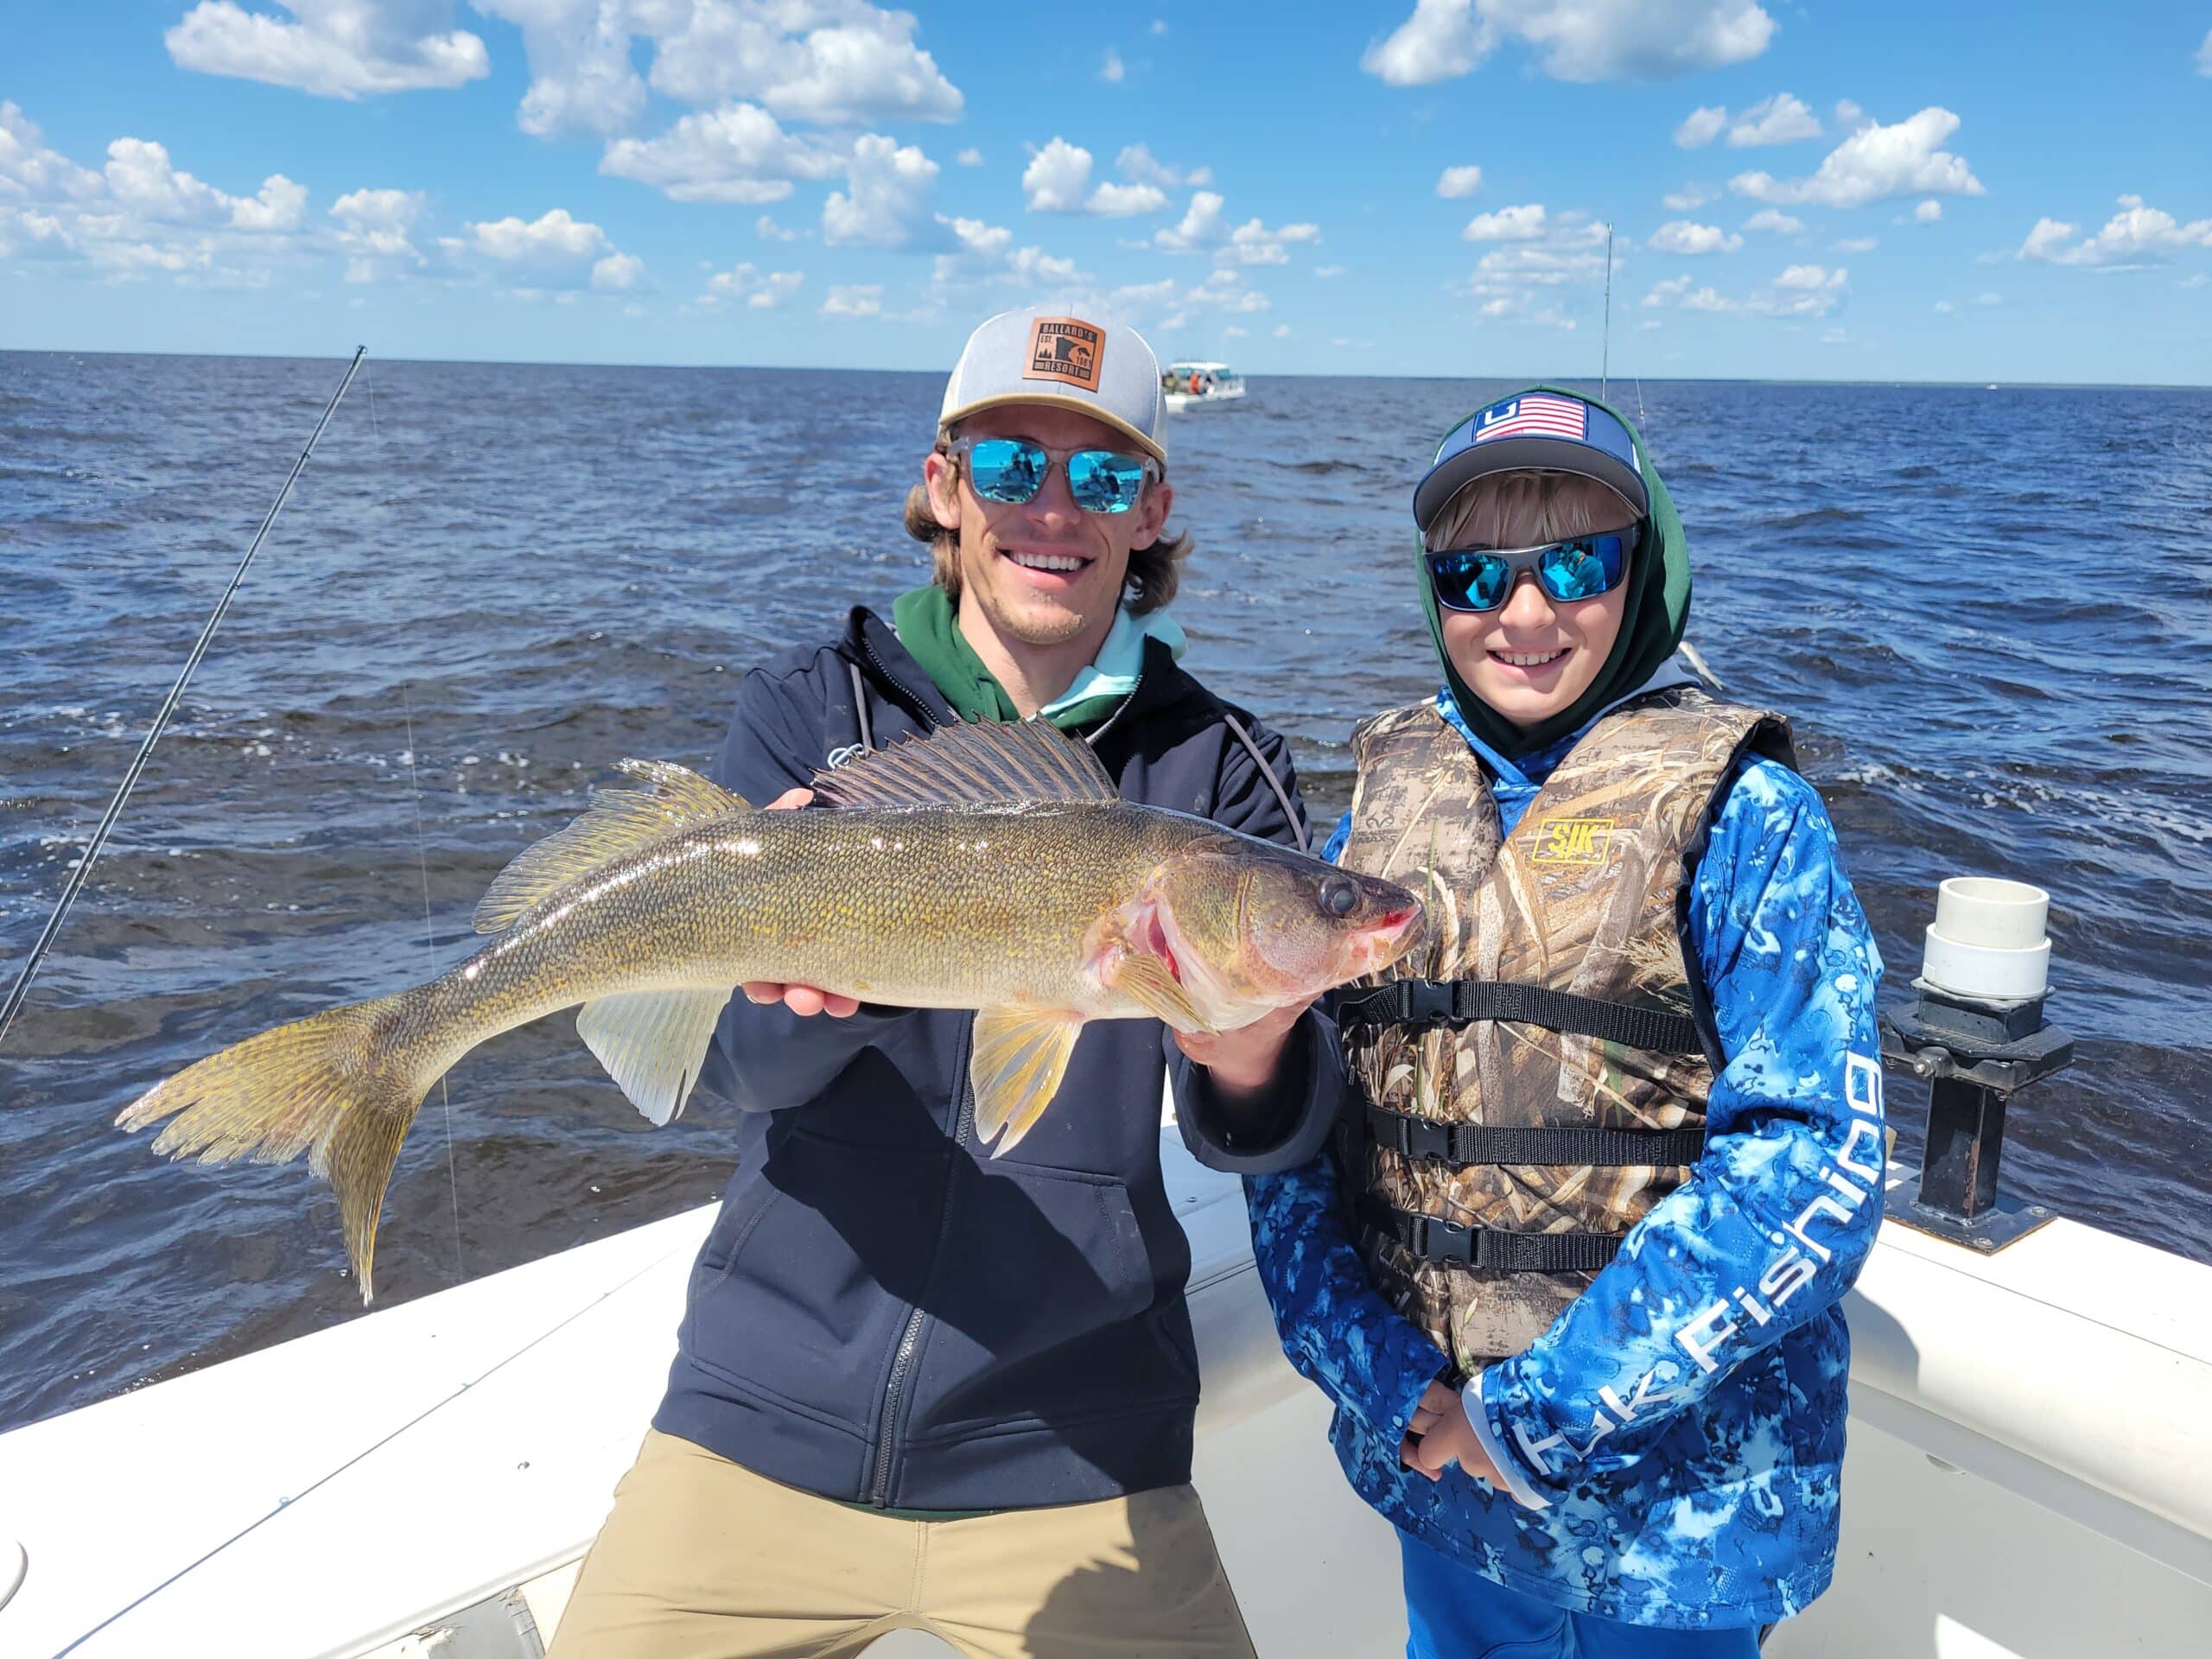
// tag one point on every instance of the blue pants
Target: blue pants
(1454, 1612)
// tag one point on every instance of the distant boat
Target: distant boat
(1194, 386)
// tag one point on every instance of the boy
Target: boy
(1609, 1168)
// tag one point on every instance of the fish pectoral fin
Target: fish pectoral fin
(654, 1043)
(1020, 1055)
(1148, 982)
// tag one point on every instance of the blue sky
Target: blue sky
(1875, 191)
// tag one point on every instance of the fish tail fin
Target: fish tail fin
(342, 1086)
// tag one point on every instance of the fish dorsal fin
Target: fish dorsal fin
(617, 820)
(978, 760)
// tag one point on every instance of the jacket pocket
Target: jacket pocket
(1046, 1301)
(824, 1242)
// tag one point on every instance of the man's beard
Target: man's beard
(1032, 624)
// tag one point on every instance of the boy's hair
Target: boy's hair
(1526, 509)
(1153, 571)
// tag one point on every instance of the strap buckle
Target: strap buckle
(1449, 1241)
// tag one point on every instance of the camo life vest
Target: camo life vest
(1544, 1083)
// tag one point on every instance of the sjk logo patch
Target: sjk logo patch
(1065, 349)
(1572, 841)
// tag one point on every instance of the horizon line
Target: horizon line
(802, 368)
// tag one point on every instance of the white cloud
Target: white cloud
(1234, 332)
(556, 251)
(1521, 279)
(1702, 126)
(1521, 224)
(1775, 220)
(28, 168)
(1781, 119)
(1224, 290)
(375, 230)
(553, 238)
(886, 193)
(1874, 163)
(1282, 330)
(835, 62)
(855, 300)
(1681, 236)
(1053, 182)
(141, 180)
(1848, 114)
(1683, 201)
(2135, 235)
(1580, 39)
(1928, 212)
(1989, 299)
(1944, 307)
(738, 153)
(1158, 26)
(141, 213)
(762, 290)
(768, 231)
(1137, 162)
(831, 62)
(970, 156)
(1125, 200)
(1857, 244)
(1455, 182)
(618, 272)
(335, 48)
(1255, 244)
(1058, 175)
(1113, 71)
(1200, 227)
(2204, 56)
(1799, 291)
(1328, 271)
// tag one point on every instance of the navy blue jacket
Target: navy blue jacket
(885, 1314)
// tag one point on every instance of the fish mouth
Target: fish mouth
(1382, 944)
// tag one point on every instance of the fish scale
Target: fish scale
(987, 867)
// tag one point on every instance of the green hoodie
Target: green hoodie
(928, 625)
(1652, 627)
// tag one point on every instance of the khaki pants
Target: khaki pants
(703, 1559)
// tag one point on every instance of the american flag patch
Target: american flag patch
(1536, 415)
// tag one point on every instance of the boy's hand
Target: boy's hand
(1440, 1435)
(799, 999)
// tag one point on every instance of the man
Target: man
(916, 1385)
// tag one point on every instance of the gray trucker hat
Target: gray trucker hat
(1039, 356)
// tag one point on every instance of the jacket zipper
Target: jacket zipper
(902, 1363)
(905, 691)
(894, 1386)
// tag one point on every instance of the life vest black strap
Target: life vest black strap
(1423, 1004)
(1476, 1143)
(1433, 1239)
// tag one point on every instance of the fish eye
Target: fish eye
(1339, 896)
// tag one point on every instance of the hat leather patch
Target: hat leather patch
(1066, 349)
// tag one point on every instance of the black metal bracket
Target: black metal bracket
(1975, 1056)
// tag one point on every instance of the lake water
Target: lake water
(1988, 612)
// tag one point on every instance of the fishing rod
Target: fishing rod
(1605, 355)
(77, 877)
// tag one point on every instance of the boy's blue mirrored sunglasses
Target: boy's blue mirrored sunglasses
(1472, 579)
(1014, 470)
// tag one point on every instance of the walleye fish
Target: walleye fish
(987, 866)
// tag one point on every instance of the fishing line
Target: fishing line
(78, 876)
(423, 864)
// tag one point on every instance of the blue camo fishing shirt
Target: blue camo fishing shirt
(1681, 1425)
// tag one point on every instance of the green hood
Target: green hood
(1658, 610)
